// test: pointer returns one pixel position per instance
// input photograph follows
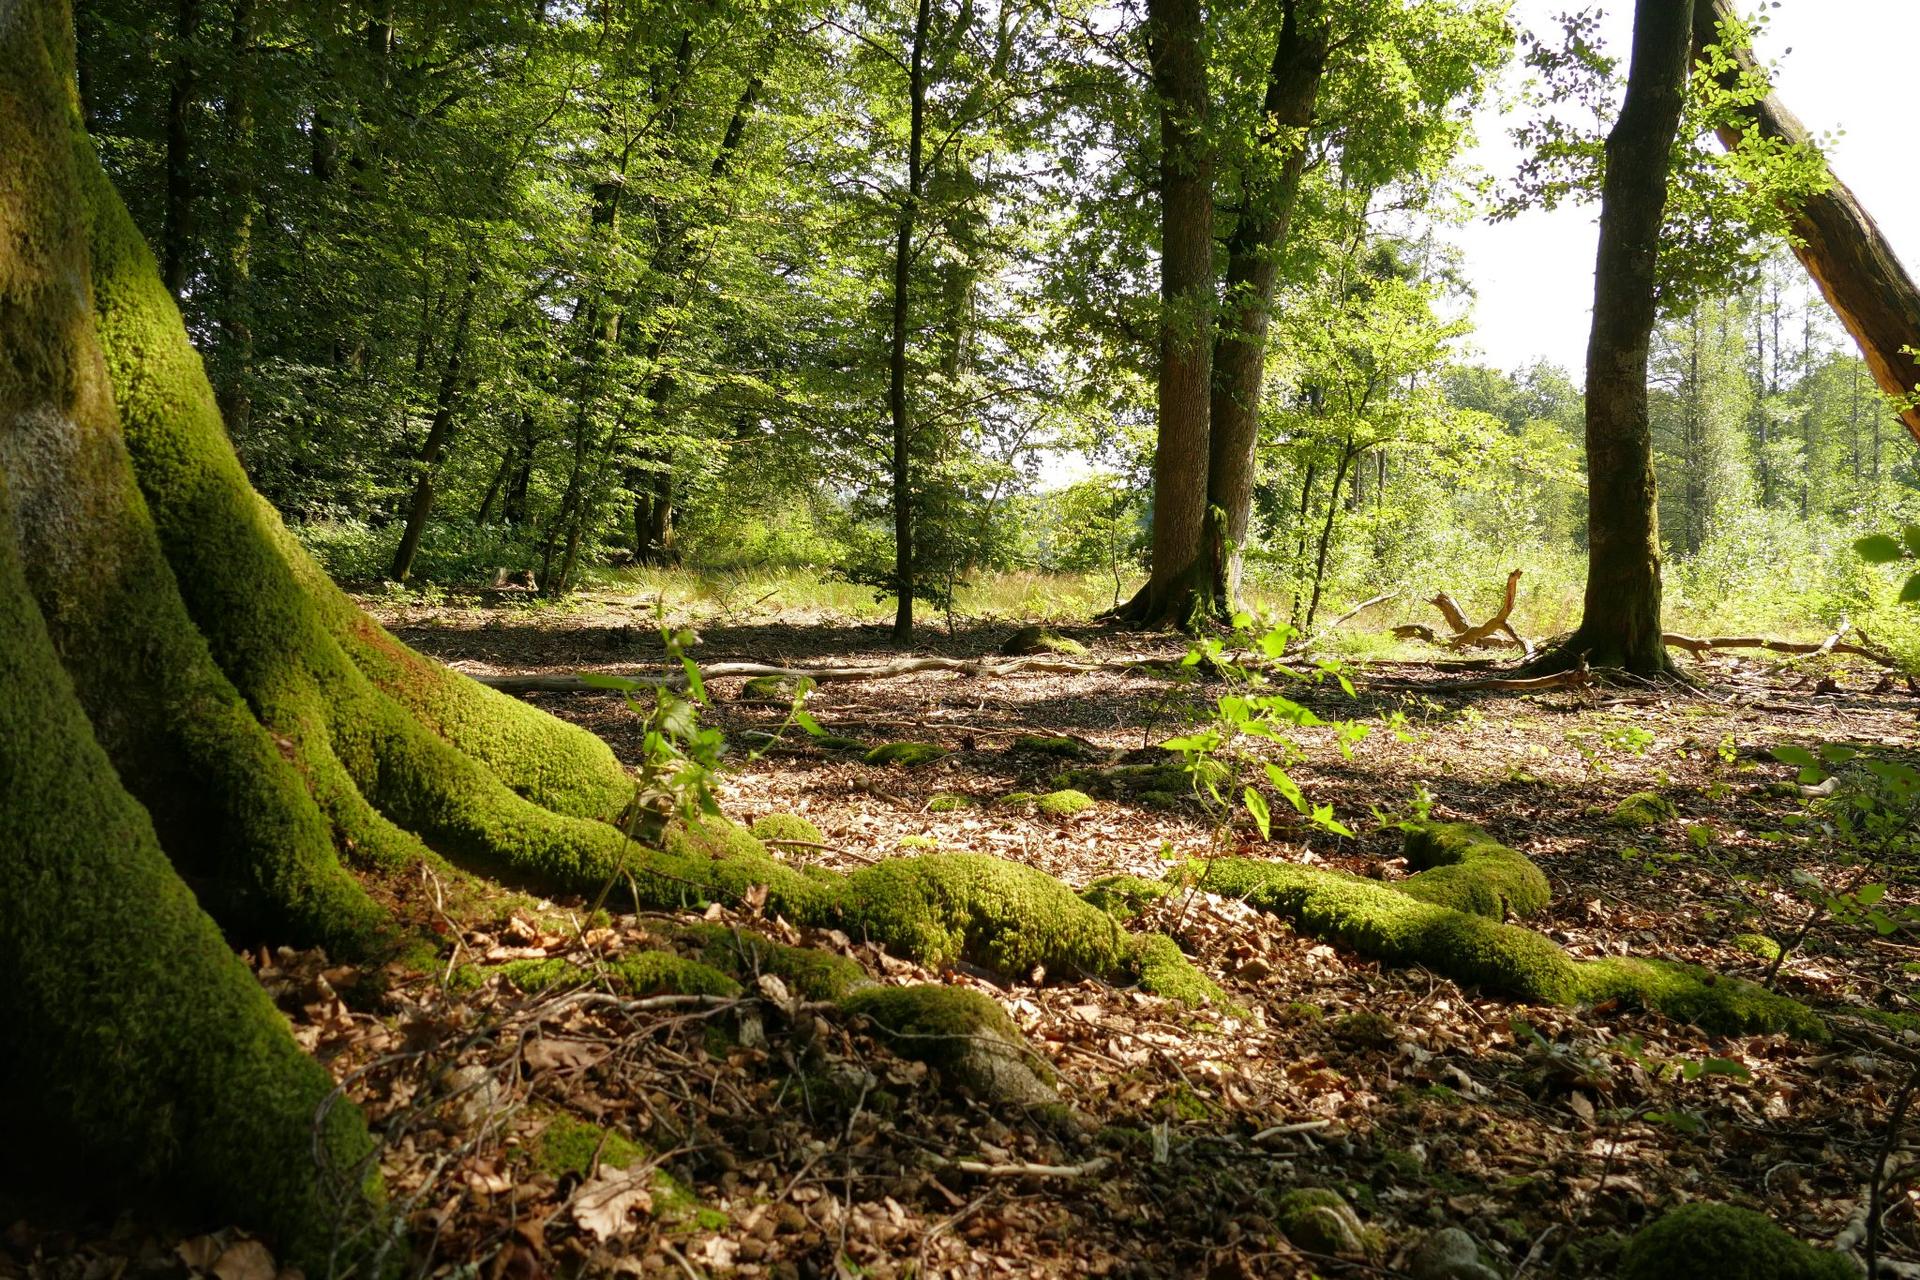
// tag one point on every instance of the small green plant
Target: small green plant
(1248, 731)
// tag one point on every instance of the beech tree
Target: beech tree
(1620, 621)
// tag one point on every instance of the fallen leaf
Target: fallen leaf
(246, 1260)
(603, 1207)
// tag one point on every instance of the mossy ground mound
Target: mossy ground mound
(1721, 1242)
(774, 828)
(909, 755)
(1064, 803)
(1411, 923)
(777, 690)
(1033, 641)
(1051, 745)
(1319, 1220)
(1642, 809)
(949, 802)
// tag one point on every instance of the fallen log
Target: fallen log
(1468, 635)
(1702, 645)
(986, 667)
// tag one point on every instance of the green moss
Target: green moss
(778, 689)
(950, 906)
(467, 977)
(646, 973)
(1045, 744)
(1037, 640)
(534, 976)
(1136, 780)
(813, 973)
(1721, 1242)
(833, 742)
(1688, 993)
(1366, 1029)
(1758, 945)
(919, 842)
(1379, 921)
(1157, 799)
(1166, 971)
(949, 802)
(1019, 797)
(1460, 866)
(1065, 802)
(1319, 1220)
(909, 755)
(1642, 809)
(1125, 896)
(775, 827)
(568, 1146)
(966, 1035)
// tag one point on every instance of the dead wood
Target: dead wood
(1467, 635)
(1832, 644)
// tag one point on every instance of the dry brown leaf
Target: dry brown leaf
(246, 1260)
(603, 1208)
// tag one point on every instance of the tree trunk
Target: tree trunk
(236, 311)
(1253, 250)
(176, 233)
(185, 700)
(1842, 248)
(1178, 590)
(1620, 624)
(439, 432)
(897, 405)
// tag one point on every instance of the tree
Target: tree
(1841, 246)
(1620, 622)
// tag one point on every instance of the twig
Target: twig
(1021, 1169)
(1299, 1126)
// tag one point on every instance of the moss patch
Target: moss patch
(910, 755)
(1319, 1220)
(646, 973)
(1461, 866)
(1688, 993)
(1125, 896)
(1051, 745)
(534, 976)
(949, 802)
(568, 1146)
(775, 827)
(778, 689)
(1028, 641)
(1642, 809)
(1165, 971)
(950, 906)
(1758, 945)
(964, 1034)
(1721, 1242)
(813, 973)
(1064, 803)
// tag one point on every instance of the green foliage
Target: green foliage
(1707, 1241)
(1642, 809)
(909, 755)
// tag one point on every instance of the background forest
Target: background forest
(492, 289)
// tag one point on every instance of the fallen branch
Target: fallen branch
(1467, 635)
(1021, 1169)
(1699, 646)
(820, 675)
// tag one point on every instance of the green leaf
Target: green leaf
(808, 723)
(1262, 817)
(1721, 1067)
(1879, 548)
(620, 684)
(1799, 757)
(1868, 894)
(695, 685)
(1911, 591)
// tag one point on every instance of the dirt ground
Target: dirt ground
(796, 1145)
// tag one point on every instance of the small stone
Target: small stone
(1449, 1254)
(1319, 1220)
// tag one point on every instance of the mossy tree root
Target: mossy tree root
(1449, 918)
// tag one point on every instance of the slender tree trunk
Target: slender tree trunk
(1842, 248)
(176, 233)
(1253, 250)
(439, 433)
(898, 408)
(1620, 625)
(236, 322)
(1326, 532)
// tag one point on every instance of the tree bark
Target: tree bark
(1841, 247)
(1178, 589)
(1269, 193)
(439, 433)
(236, 311)
(176, 233)
(898, 408)
(1620, 624)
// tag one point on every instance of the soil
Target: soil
(812, 1150)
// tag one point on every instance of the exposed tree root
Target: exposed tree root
(1455, 926)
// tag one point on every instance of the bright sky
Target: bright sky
(1843, 65)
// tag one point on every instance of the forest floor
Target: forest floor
(776, 1142)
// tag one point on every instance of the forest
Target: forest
(948, 638)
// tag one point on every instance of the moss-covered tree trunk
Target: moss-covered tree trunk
(1620, 624)
(196, 726)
